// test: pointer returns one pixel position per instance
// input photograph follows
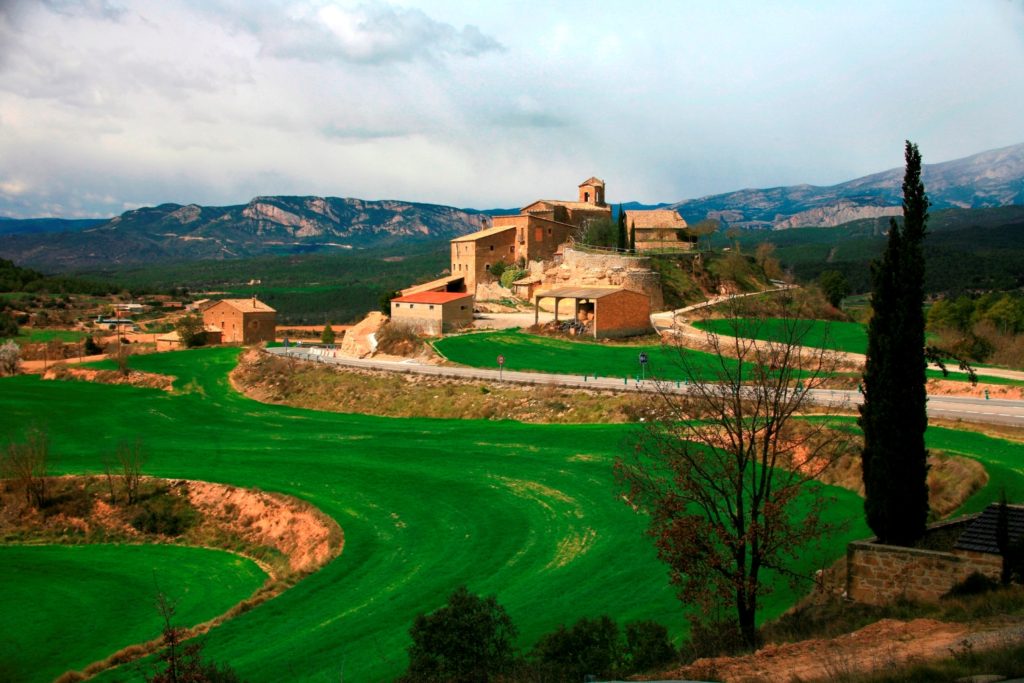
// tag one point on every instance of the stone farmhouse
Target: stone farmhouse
(534, 234)
(244, 321)
(659, 229)
(434, 313)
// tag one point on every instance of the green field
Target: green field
(822, 334)
(30, 336)
(545, 354)
(527, 512)
(65, 607)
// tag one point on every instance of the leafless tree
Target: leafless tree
(721, 470)
(25, 462)
(130, 459)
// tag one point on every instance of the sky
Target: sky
(108, 105)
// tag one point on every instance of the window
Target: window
(462, 308)
(538, 235)
(586, 196)
(487, 267)
(549, 231)
(512, 249)
(492, 247)
(431, 307)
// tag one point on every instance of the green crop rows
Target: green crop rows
(65, 607)
(526, 512)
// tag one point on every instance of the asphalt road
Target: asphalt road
(994, 411)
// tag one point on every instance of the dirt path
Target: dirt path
(879, 646)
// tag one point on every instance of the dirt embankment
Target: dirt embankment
(882, 645)
(284, 381)
(135, 378)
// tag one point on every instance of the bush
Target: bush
(10, 358)
(712, 639)
(468, 639)
(647, 645)
(164, 514)
(590, 647)
(976, 583)
(8, 325)
(511, 274)
(498, 269)
(91, 347)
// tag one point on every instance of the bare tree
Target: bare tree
(130, 459)
(26, 463)
(721, 471)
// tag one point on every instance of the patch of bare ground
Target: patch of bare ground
(135, 378)
(285, 381)
(979, 390)
(288, 538)
(1008, 432)
(882, 645)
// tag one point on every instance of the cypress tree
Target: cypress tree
(893, 416)
(622, 229)
(632, 238)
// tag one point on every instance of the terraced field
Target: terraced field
(838, 336)
(526, 512)
(65, 607)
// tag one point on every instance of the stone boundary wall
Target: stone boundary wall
(878, 574)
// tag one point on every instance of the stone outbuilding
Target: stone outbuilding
(242, 321)
(602, 312)
(659, 229)
(878, 574)
(434, 313)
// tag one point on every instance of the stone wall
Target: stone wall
(582, 269)
(877, 574)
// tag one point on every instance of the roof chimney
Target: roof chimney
(254, 300)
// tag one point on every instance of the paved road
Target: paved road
(995, 411)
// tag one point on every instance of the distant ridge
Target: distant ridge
(988, 179)
(266, 225)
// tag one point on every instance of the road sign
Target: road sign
(643, 358)
(501, 360)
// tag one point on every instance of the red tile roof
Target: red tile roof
(430, 297)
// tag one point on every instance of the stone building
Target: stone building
(601, 312)
(245, 321)
(659, 229)
(433, 312)
(534, 234)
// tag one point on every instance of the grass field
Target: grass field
(545, 354)
(838, 336)
(527, 512)
(28, 336)
(65, 607)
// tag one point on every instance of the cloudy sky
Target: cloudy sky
(107, 105)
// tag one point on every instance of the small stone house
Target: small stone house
(242, 321)
(434, 313)
(659, 229)
(879, 574)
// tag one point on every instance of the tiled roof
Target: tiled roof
(592, 181)
(431, 297)
(655, 218)
(486, 232)
(248, 305)
(578, 292)
(980, 535)
(569, 205)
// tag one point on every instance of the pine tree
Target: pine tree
(622, 229)
(893, 416)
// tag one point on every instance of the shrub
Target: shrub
(498, 269)
(647, 645)
(976, 583)
(91, 347)
(711, 639)
(468, 639)
(164, 514)
(511, 274)
(590, 647)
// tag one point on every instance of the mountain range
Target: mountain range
(282, 224)
(988, 179)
